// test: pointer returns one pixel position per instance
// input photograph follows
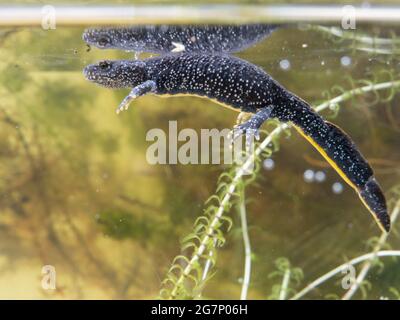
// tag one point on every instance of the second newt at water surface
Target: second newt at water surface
(245, 87)
(170, 38)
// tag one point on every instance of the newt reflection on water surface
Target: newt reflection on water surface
(169, 38)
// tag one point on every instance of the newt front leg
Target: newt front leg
(140, 90)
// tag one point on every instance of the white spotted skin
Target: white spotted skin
(227, 79)
(193, 38)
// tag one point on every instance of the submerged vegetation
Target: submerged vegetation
(185, 277)
(78, 194)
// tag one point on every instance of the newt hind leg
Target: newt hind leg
(243, 117)
(251, 127)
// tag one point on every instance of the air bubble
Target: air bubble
(284, 64)
(309, 175)
(268, 164)
(337, 188)
(320, 176)
(345, 61)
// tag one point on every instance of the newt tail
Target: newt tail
(344, 157)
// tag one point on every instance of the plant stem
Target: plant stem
(344, 266)
(356, 92)
(246, 244)
(220, 211)
(207, 266)
(368, 264)
(285, 285)
(337, 32)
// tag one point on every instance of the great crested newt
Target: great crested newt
(245, 87)
(170, 38)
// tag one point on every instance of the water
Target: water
(77, 192)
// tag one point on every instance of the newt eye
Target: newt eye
(104, 65)
(103, 42)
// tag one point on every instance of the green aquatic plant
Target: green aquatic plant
(342, 268)
(288, 274)
(241, 207)
(380, 243)
(361, 41)
(184, 278)
(368, 259)
(121, 224)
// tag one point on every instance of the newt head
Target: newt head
(100, 38)
(115, 38)
(117, 74)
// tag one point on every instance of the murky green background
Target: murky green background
(77, 193)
